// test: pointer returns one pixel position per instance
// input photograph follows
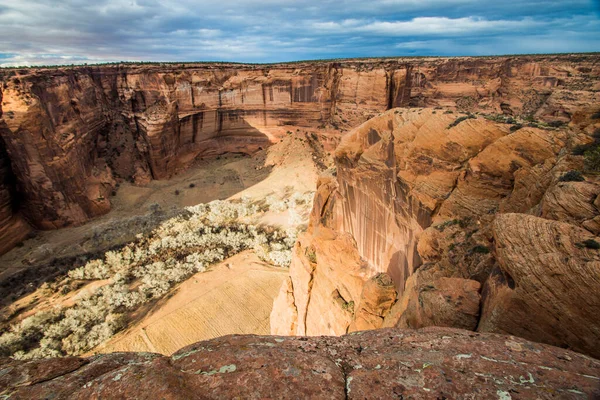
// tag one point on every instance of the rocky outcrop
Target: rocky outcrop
(388, 363)
(436, 302)
(376, 300)
(463, 214)
(548, 276)
(71, 132)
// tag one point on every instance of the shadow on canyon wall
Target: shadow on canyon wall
(36, 260)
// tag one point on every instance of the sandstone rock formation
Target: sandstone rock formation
(70, 132)
(547, 276)
(436, 302)
(468, 217)
(387, 363)
(376, 299)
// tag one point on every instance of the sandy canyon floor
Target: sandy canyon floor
(233, 296)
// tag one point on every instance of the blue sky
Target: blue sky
(78, 31)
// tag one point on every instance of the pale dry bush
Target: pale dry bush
(146, 270)
(296, 199)
(276, 204)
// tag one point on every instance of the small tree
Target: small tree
(592, 159)
(572, 176)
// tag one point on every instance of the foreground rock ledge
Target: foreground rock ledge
(386, 363)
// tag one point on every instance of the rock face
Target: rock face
(69, 133)
(469, 219)
(543, 272)
(387, 363)
(13, 227)
(437, 302)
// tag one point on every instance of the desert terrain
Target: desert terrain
(235, 295)
(446, 210)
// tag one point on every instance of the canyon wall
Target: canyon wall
(13, 227)
(71, 133)
(433, 218)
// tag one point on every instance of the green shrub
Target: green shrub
(516, 127)
(479, 249)
(556, 124)
(462, 223)
(591, 244)
(461, 119)
(311, 255)
(349, 306)
(441, 227)
(580, 150)
(592, 159)
(572, 176)
(496, 118)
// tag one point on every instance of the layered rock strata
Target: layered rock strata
(471, 220)
(70, 133)
(387, 363)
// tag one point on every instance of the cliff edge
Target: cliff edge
(387, 363)
(437, 219)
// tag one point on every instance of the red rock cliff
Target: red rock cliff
(70, 132)
(436, 219)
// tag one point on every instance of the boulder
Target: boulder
(451, 302)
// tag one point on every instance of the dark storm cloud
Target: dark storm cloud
(77, 31)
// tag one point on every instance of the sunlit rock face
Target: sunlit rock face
(71, 133)
(471, 221)
(392, 175)
(378, 210)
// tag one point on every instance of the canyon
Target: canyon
(68, 135)
(454, 227)
(433, 220)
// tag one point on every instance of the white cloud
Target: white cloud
(45, 31)
(424, 26)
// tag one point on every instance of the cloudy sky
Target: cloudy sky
(79, 31)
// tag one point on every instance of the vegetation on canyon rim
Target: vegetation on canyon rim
(146, 270)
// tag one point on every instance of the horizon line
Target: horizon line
(316, 60)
